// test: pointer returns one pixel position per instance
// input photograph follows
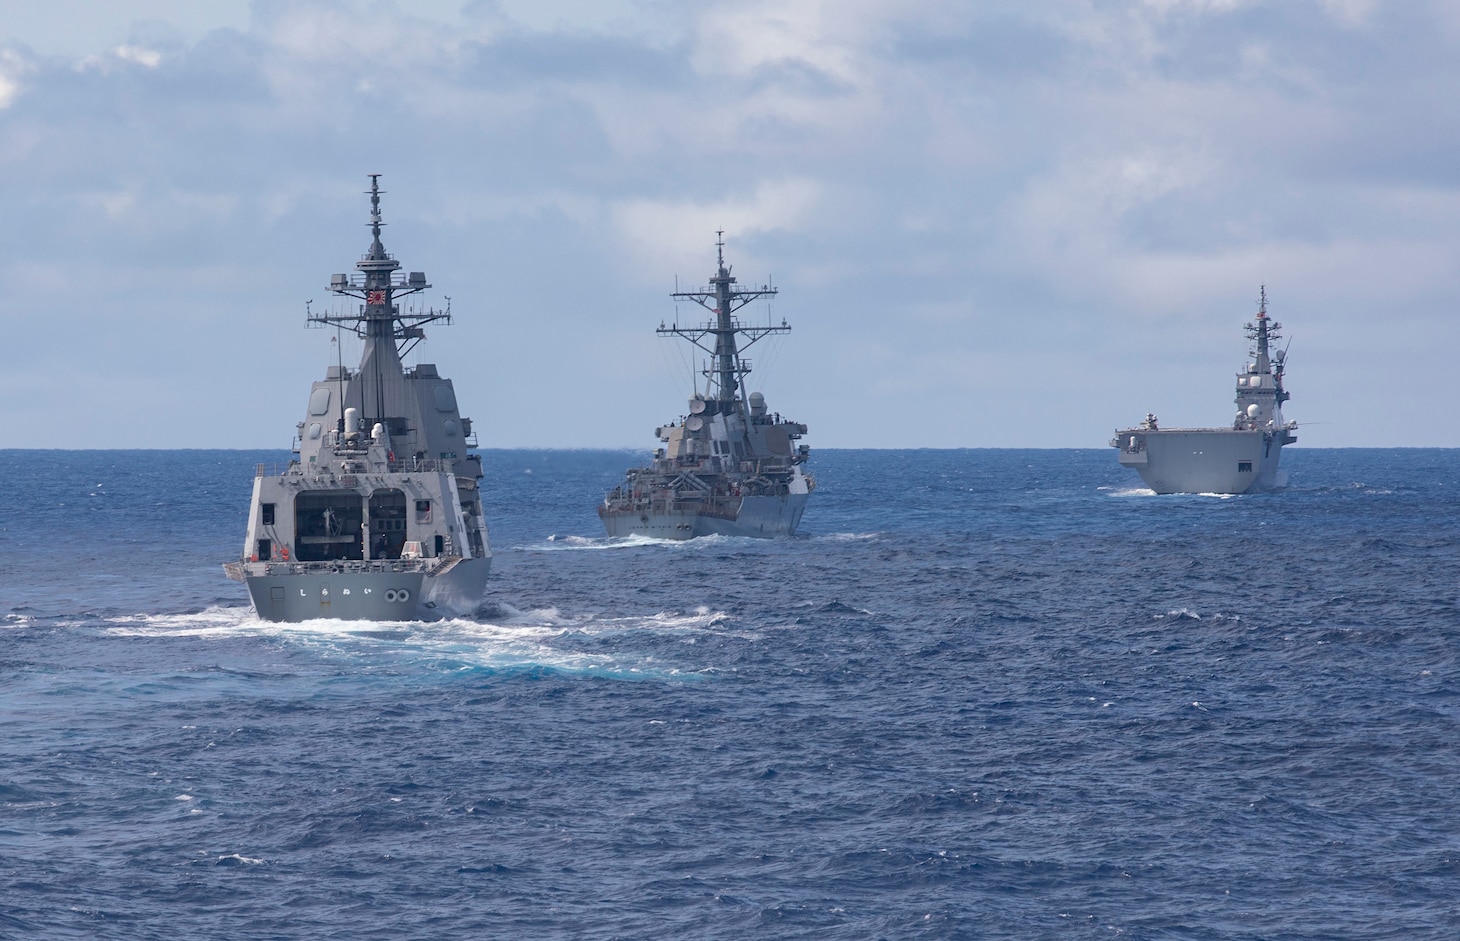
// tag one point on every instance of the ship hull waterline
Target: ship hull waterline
(1216, 460)
(371, 596)
(758, 517)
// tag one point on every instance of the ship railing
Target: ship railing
(351, 466)
(439, 565)
(273, 470)
(764, 465)
(423, 465)
(620, 499)
(723, 507)
(1210, 429)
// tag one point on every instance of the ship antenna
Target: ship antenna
(377, 250)
(1262, 303)
(377, 253)
(720, 247)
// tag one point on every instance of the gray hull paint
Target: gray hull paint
(1240, 458)
(758, 517)
(378, 516)
(371, 596)
(1213, 460)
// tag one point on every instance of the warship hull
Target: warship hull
(355, 592)
(1215, 460)
(378, 517)
(757, 516)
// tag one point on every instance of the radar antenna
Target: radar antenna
(1263, 333)
(727, 369)
(388, 332)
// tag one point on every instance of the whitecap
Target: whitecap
(556, 543)
(212, 620)
(506, 638)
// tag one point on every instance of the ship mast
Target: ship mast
(1264, 333)
(727, 369)
(388, 333)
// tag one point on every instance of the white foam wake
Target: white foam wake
(510, 639)
(557, 543)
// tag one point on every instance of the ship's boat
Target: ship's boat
(379, 514)
(730, 466)
(1240, 459)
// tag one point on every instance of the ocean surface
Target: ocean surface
(982, 694)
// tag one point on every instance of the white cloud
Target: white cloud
(743, 38)
(678, 236)
(1350, 12)
(12, 67)
(950, 196)
(139, 55)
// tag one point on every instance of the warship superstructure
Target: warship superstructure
(730, 466)
(1240, 459)
(378, 516)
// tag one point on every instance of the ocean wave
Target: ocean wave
(847, 537)
(513, 640)
(557, 543)
(211, 620)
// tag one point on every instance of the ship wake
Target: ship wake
(506, 640)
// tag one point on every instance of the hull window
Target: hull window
(328, 526)
(1244, 467)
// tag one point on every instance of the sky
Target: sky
(991, 224)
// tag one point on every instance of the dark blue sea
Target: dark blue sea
(983, 694)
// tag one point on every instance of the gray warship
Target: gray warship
(1240, 459)
(730, 466)
(378, 516)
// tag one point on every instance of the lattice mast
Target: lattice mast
(726, 370)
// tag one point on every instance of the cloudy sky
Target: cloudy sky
(993, 224)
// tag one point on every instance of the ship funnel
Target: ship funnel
(352, 421)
